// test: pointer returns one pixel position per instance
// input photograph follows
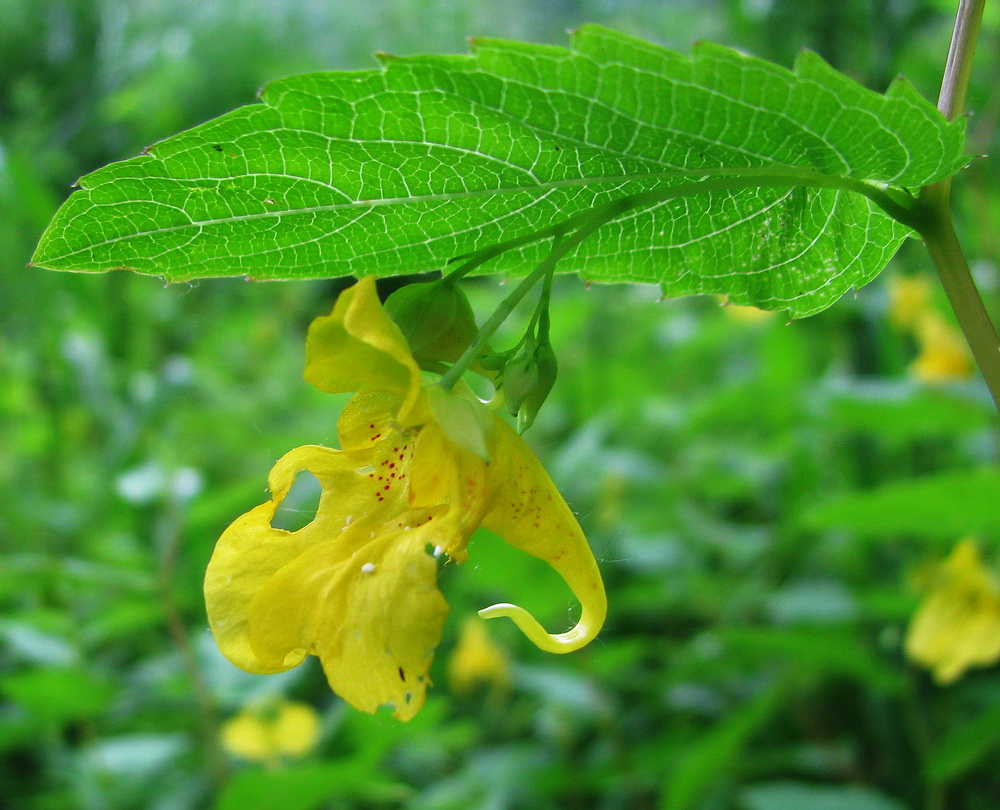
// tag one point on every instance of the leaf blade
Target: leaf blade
(400, 169)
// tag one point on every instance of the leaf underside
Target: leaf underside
(400, 169)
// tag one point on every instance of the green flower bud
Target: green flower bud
(527, 380)
(435, 318)
(546, 369)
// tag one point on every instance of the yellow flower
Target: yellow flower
(477, 659)
(958, 625)
(419, 471)
(943, 356)
(909, 299)
(267, 732)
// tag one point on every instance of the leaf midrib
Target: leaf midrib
(777, 175)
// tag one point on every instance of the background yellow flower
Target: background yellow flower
(271, 731)
(909, 298)
(958, 624)
(477, 660)
(944, 356)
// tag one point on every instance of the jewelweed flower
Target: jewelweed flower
(271, 731)
(419, 470)
(958, 624)
(910, 298)
(477, 659)
(943, 356)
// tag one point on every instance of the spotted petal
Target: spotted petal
(359, 489)
(373, 615)
(528, 512)
(251, 550)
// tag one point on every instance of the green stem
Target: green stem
(168, 531)
(895, 203)
(958, 70)
(560, 248)
(933, 215)
(953, 270)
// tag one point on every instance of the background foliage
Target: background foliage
(748, 485)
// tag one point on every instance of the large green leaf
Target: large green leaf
(758, 178)
(943, 506)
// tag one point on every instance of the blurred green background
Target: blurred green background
(746, 483)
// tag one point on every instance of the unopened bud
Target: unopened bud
(435, 318)
(527, 380)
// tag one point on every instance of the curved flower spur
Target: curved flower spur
(420, 469)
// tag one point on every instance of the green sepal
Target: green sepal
(464, 420)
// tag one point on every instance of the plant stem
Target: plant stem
(935, 222)
(560, 247)
(958, 70)
(896, 204)
(168, 533)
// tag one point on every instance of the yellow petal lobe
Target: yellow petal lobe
(358, 348)
(529, 513)
(958, 624)
(368, 607)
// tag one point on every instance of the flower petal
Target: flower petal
(449, 476)
(357, 347)
(245, 557)
(366, 418)
(358, 489)
(373, 618)
(528, 512)
(958, 626)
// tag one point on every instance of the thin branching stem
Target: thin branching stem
(560, 247)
